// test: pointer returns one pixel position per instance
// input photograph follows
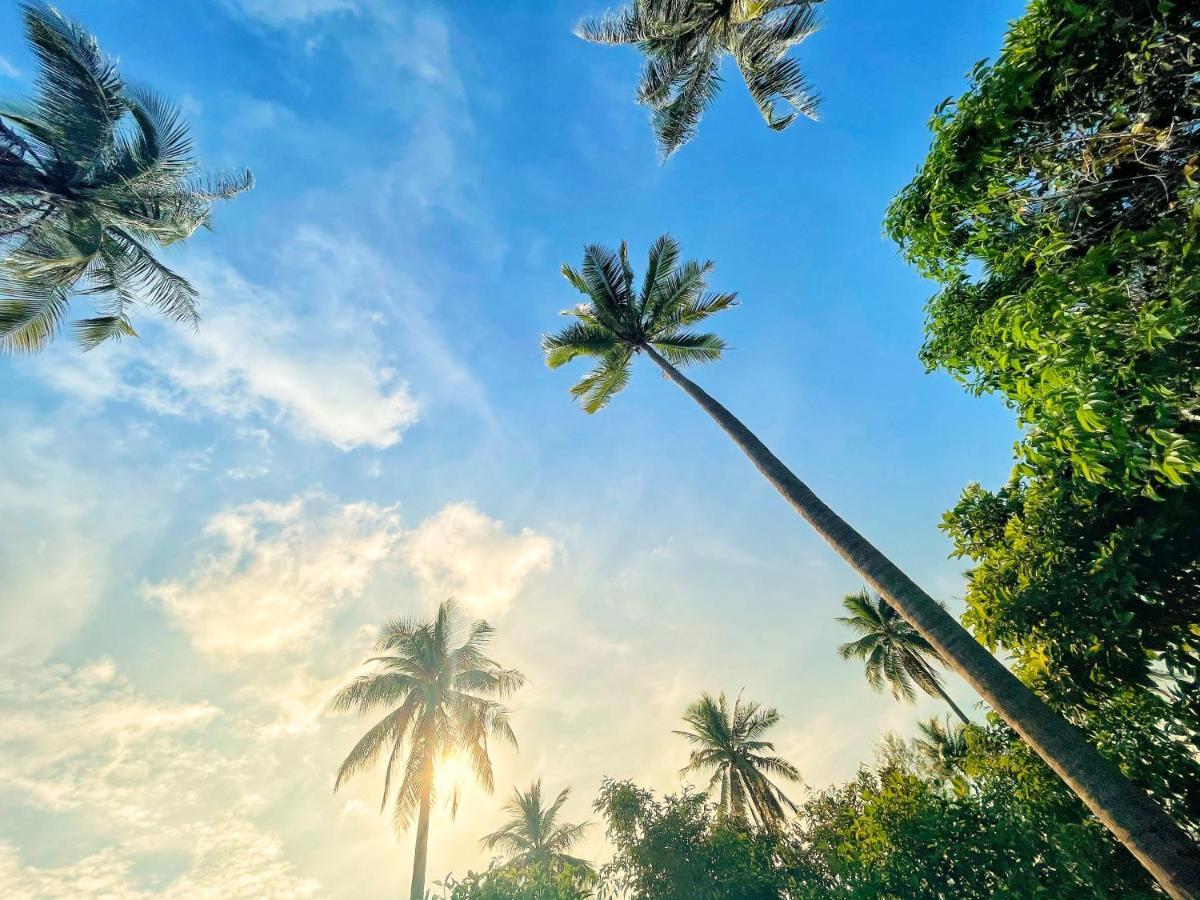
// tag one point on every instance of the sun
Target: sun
(452, 772)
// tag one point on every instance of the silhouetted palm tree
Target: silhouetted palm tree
(615, 323)
(729, 743)
(895, 654)
(534, 833)
(684, 42)
(943, 747)
(438, 685)
(94, 175)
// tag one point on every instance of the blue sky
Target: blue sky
(200, 531)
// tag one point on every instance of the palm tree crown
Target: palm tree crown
(619, 321)
(533, 832)
(684, 40)
(94, 174)
(439, 688)
(895, 653)
(728, 741)
(943, 746)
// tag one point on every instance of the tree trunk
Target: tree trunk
(421, 852)
(1128, 812)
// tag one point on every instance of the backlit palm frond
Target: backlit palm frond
(80, 95)
(95, 175)
(683, 348)
(596, 390)
(683, 42)
(31, 314)
(677, 119)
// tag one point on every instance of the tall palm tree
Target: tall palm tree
(684, 42)
(617, 322)
(534, 833)
(943, 746)
(441, 691)
(894, 652)
(729, 743)
(94, 175)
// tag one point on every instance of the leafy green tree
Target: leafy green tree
(1057, 211)
(94, 175)
(534, 833)
(894, 652)
(442, 694)
(684, 42)
(618, 322)
(728, 741)
(678, 848)
(541, 880)
(894, 832)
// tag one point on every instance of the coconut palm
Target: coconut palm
(895, 653)
(684, 42)
(94, 175)
(617, 322)
(442, 695)
(534, 833)
(728, 741)
(943, 747)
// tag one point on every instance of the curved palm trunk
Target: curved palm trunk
(954, 706)
(937, 686)
(1128, 812)
(421, 852)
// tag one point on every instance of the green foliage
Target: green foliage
(1058, 212)
(94, 174)
(442, 692)
(535, 881)
(684, 41)
(677, 848)
(729, 743)
(617, 322)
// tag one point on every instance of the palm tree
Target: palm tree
(944, 747)
(533, 832)
(94, 174)
(728, 742)
(684, 41)
(441, 692)
(615, 323)
(895, 653)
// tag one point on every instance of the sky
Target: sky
(202, 531)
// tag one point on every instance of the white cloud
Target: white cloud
(8, 70)
(141, 773)
(464, 553)
(321, 373)
(277, 574)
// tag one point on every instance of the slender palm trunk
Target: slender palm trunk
(954, 706)
(421, 852)
(937, 686)
(1128, 812)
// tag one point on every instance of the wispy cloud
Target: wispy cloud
(463, 553)
(317, 368)
(144, 773)
(276, 573)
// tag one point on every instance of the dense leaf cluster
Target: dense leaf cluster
(1058, 212)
